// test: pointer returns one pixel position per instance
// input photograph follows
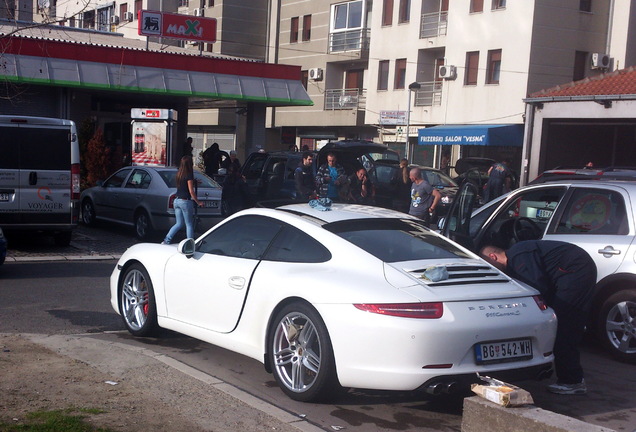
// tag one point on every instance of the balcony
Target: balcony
(350, 40)
(434, 24)
(429, 94)
(345, 99)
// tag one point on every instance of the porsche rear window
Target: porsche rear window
(395, 240)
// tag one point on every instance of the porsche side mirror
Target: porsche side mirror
(187, 247)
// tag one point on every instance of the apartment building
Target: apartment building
(386, 69)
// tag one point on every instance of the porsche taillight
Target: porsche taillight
(405, 310)
(539, 301)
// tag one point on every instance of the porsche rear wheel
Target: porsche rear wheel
(137, 302)
(301, 355)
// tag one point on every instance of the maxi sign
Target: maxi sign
(176, 26)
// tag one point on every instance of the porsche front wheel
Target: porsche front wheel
(301, 355)
(137, 302)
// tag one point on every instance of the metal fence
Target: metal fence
(344, 99)
(433, 24)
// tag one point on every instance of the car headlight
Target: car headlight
(445, 200)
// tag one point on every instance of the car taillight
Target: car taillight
(75, 181)
(539, 301)
(171, 201)
(405, 310)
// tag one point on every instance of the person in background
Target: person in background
(499, 179)
(212, 158)
(361, 189)
(444, 164)
(565, 275)
(304, 178)
(187, 147)
(186, 199)
(330, 177)
(401, 183)
(424, 197)
(235, 194)
(232, 161)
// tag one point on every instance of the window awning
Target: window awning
(510, 135)
(61, 63)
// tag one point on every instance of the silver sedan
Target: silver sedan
(142, 197)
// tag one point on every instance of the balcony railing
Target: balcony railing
(429, 94)
(351, 40)
(344, 99)
(433, 24)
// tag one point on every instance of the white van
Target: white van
(39, 175)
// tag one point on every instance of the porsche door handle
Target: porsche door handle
(236, 282)
(608, 251)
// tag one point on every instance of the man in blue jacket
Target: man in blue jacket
(565, 275)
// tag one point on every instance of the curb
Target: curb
(88, 349)
(62, 258)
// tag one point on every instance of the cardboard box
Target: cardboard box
(502, 393)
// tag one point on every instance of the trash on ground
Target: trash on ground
(501, 393)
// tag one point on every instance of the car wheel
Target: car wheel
(88, 213)
(62, 238)
(301, 355)
(617, 325)
(137, 302)
(143, 227)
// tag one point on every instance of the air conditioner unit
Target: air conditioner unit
(600, 61)
(114, 19)
(129, 16)
(448, 72)
(198, 12)
(315, 74)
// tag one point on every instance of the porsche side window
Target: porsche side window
(293, 245)
(594, 211)
(243, 237)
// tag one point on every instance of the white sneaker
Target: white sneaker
(568, 389)
(164, 242)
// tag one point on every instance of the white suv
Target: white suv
(595, 215)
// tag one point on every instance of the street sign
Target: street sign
(176, 26)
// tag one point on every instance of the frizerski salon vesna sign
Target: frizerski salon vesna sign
(188, 27)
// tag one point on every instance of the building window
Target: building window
(387, 13)
(585, 5)
(405, 11)
(304, 78)
(580, 63)
(138, 7)
(71, 21)
(494, 67)
(498, 4)
(476, 6)
(293, 32)
(472, 68)
(400, 74)
(184, 3)
(347, 27)
(307, 27)
(383, 75)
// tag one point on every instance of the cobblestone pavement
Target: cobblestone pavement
(102, 242)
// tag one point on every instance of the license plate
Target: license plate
(211, 204)
(4, 196)
(503, 351)
(544, 214)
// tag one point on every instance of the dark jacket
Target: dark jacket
(305, 182)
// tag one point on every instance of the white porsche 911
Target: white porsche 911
(356, 296)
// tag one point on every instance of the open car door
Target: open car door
(456, 225)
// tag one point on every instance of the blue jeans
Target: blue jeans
(184, 213)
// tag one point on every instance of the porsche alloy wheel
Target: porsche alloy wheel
(301, 354)
(137, 302)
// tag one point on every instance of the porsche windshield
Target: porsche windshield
(395, 240)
